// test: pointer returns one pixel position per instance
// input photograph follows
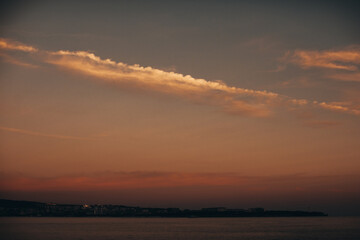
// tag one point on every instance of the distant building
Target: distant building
(257, 210)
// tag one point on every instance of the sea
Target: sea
(284, 228)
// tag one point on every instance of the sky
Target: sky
(185, 104)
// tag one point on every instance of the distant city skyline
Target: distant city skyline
(26, 208)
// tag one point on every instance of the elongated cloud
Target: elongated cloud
(343, 59)
(13, 45)
(12, 60)
(32, 133)
(233, 100)
(342, 64)
(239, 100)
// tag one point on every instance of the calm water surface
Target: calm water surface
(328, 228)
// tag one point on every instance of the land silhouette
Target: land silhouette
(39, 209)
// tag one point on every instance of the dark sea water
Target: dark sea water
(328, 228)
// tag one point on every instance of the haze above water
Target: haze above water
(327, 228)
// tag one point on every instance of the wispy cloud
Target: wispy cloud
(12, 60)
(348, 59)
(32, 133)
(13, 45)
(342, 65)
(233, 100)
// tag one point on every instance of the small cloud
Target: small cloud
(336, 107)
(342, 64)
(298, 82)
(347, 59)
(13, 45)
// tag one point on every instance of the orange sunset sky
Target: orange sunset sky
(181, 103)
